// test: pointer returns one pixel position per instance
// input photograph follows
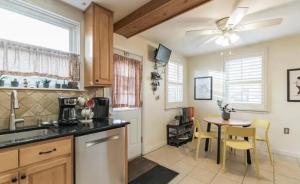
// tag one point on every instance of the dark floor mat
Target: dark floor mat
(139, 166)
(156, 175)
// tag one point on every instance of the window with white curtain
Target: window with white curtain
(245, 82)
(174, 85)
(37, 46)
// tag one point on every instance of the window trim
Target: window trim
(244, 54)
(173, 105)
(27, 9)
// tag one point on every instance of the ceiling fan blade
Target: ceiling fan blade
(236, 17)
(202, 32)
(208, 41)
(259, 24)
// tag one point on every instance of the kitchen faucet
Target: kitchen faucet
(14, 104)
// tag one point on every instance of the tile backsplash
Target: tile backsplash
(37, 104)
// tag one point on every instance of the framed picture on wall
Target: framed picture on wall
(293, 85)
(203, 88)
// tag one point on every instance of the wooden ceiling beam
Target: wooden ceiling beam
(152, 14)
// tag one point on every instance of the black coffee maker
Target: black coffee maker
(67, 112)
(101, 108)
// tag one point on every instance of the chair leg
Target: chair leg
(245, 158)
(270, 152)
(256, 162)
(224, 156)
(210, 145)
(198, 148)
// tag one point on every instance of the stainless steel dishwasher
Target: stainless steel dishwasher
(100, 157)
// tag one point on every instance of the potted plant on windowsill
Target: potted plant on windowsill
(14, 83)
(2, 81)
(57, 85)
(225, 110)
(46, 83)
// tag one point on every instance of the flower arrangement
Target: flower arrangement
(226, 110)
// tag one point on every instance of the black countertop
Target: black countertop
(57, 131)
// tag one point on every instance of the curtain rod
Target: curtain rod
(129, 53)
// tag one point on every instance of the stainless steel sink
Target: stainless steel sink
(19, 136)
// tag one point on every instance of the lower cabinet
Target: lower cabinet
(39, 163)
(9, 178)
(58, 171)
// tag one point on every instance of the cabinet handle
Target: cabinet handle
(97, 80)
(23, 177)
(14, 179)
(47, 152)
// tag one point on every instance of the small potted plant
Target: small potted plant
(2, 81)
(225, 110)
(46, 83)
(57, 85)
(64, 85)
(37, 84)
(14, 83)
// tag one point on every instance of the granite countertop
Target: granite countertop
(51, 132)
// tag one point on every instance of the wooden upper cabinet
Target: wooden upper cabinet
(98, 46)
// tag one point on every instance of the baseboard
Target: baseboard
(286, 153)
(148, 149)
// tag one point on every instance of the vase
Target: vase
(225, 115)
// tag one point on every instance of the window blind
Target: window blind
(175, 83)
(244, 80)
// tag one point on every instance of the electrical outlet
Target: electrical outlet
(286, 130)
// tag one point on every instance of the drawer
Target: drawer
(8, 160)
(44, 151)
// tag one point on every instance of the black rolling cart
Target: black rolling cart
(179, 134)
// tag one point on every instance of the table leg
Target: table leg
(207, 140)
(219, 145)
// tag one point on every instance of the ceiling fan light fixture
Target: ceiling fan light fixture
(226, 39)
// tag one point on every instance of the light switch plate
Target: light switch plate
(286, 130)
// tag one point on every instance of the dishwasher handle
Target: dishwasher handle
(99, 141)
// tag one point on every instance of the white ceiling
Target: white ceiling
(121, 8)
(172, 32)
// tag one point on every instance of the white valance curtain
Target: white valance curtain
(20, 59)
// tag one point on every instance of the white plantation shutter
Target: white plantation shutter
(174, 85)
(245, 82)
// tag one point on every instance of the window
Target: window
(127, 82)
(174, 85)
(245, 82)
(36, 47)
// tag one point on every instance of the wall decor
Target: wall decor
(293, 85)
(203, 88)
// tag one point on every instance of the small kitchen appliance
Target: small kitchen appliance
(101, 108)
(67, 112)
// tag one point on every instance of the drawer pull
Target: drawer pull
(14, 179)
(23, 177)
(47, 152)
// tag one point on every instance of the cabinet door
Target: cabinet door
(58, 171)
(103, 38)
(9, 178)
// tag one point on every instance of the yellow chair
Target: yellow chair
(265, 125)
(199, 134)
(240, 144)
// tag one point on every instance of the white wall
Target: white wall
(283, 54)
(154, 115)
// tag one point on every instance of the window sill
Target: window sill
(41, 89)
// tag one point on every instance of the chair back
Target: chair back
(260, 123)
(197, 125)
(239, 131)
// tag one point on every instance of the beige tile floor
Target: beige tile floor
(286, 170)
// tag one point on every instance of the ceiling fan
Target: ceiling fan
(228, 27)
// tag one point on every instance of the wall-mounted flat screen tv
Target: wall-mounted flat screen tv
(162, 54)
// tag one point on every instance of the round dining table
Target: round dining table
(219, 122)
